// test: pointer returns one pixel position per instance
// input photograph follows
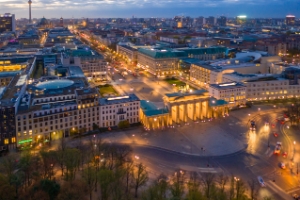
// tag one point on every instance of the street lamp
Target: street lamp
(249, 116)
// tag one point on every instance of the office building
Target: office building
(221, 21)
(290, 20)
(7, 22)
(241, 19)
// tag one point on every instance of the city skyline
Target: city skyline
(150, 8)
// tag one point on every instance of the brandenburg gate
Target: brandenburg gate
(182, 108)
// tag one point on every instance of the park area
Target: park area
(174, 81)
(107, 90)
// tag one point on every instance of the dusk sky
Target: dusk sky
(150, 8)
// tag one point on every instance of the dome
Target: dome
(43, 22)
(55, 84)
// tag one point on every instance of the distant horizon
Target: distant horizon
(151, 8)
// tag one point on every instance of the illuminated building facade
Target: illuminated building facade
(128, 53)
(7, 22)
(241, 19)
(92, 65)
(290, 20)
(113, 110)
(233, 92)
(182, 108)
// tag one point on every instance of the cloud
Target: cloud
(117, 7)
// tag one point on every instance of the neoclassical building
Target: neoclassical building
(181, 108)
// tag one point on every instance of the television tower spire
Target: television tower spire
(29, 3)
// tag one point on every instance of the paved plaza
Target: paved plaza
(218, 137)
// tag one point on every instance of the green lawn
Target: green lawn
(175, 81)
(107, 90)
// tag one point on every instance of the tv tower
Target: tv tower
(29, 3)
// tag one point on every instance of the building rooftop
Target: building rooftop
(119, 99)
(268, 78)
(179, 94)
(150, 109)
(128, 47)
(162, 53)
(9, 74)
(55, 84)
(213, 102)
(229, 85)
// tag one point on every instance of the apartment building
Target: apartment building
(116, 109)
(93, 65)
(128, 52)
(269, 88)
(232, 92)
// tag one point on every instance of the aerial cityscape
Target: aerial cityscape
(149, 100)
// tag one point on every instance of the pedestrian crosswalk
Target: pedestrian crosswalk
(209, 170)
(269, 153)
(276, 189)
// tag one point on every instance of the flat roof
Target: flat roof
(213, 102)
(150, 109)
(268, 78)
(179, 94)
(9, 73)
(119, 99)
(228, 85)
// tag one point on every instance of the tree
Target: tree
(140, 177)
(60, 155)
(74, 190)
(240, 189)
(177, 188)
(9, 165)
(50, 187)
(158, 190)
(71, 161)
(222, 181)
(123, 124)
(17, 179)
(89, 177)
(26, 164)
(7, 191)
(106, 178)
(208, 180)
(48, 163)
(231, 189)
(194, 192)
(253, 188)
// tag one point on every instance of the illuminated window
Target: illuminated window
(13, 140)
(6, 141)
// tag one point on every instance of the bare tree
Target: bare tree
(222, 181)
(240, 189)
(61, 154)
(177, 187)
(194, 192)
(140, 177)
(231, 189)
(208, 180)
(89, 177)
(253, 189)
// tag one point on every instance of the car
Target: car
(267, 124)
(275, 134)
(261, 181)
(273, 125)
(282, 165)
(284, 154)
